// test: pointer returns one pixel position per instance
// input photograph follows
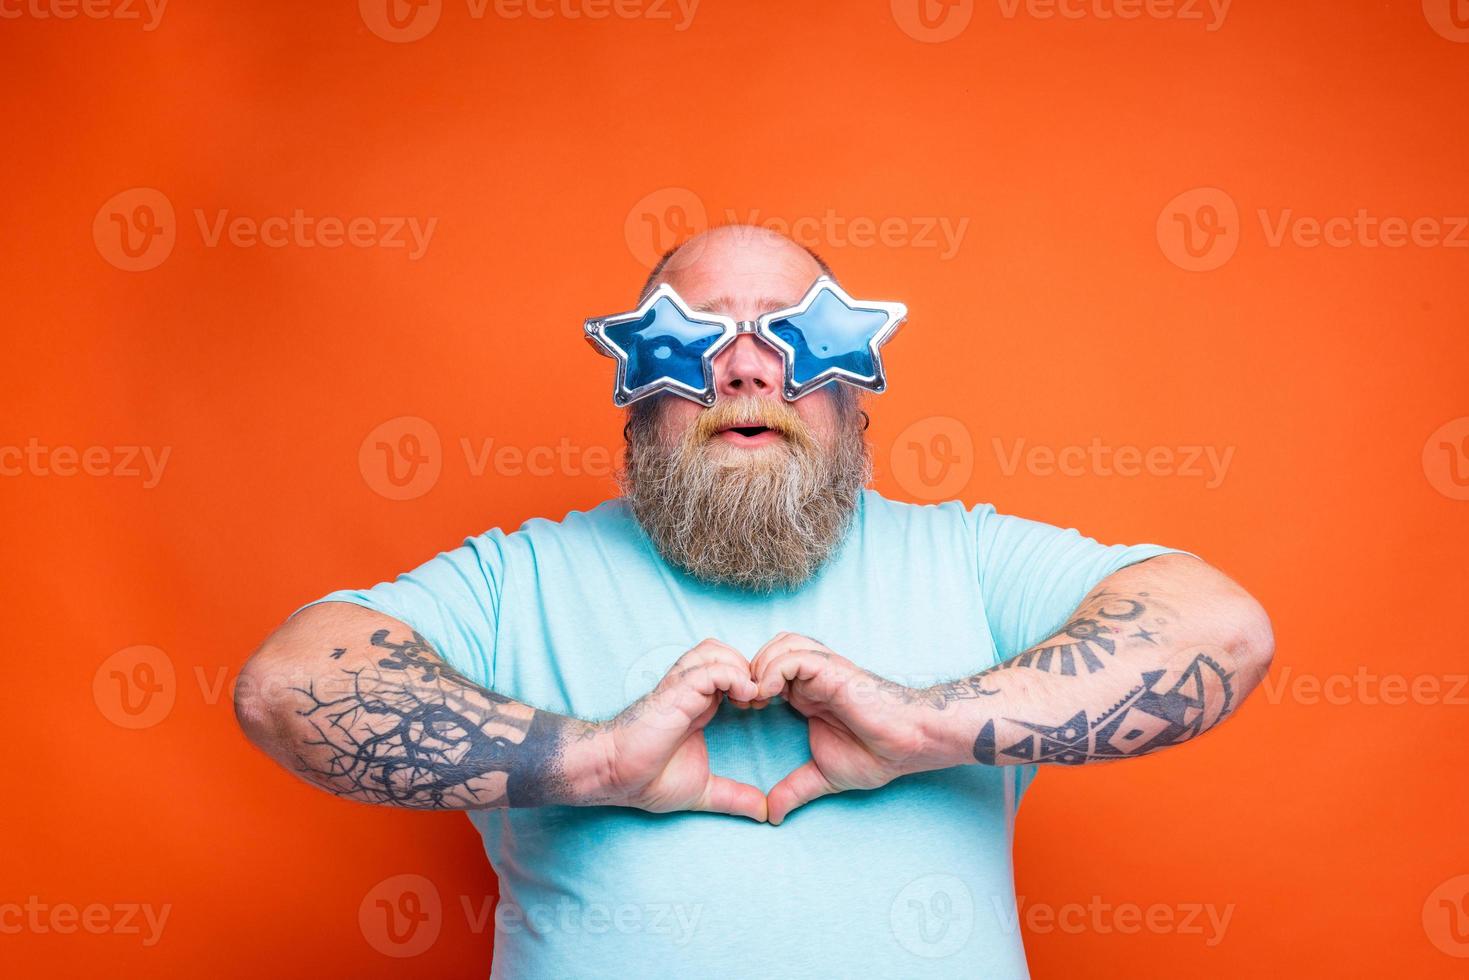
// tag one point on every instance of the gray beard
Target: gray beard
(761, 522)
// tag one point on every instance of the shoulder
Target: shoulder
(609, 524)
(883, 514)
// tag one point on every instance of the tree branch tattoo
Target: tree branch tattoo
(1153, 715)
(411, 731)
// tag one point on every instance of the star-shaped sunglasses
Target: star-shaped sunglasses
(664, 345)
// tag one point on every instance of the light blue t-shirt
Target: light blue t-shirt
(914, 879)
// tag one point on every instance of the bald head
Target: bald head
(742, 255)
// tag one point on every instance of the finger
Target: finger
(723, 795)
(734, 681)
(707, 715)
(800, 786)
(780, 643)
(697, 687)
(798, 666)
(771, 647)
(707, 651)
(712, 651)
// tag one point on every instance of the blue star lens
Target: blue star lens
(830, 335)
(663, 344)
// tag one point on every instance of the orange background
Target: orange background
(556, 154)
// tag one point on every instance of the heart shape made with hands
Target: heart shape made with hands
(863, 729)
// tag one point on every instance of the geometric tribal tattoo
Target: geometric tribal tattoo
(414, 732)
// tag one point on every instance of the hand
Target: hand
(653, 754)
(865, 731)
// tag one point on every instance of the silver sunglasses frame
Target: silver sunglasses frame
(595, 330)
(622, 396)
(897, 314)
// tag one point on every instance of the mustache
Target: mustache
(772, 413)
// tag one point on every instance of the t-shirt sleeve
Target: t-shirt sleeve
(1034, 575)
(452, 600)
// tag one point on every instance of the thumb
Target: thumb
(800, 786)
(723, 795)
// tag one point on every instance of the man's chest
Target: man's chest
(590, 644)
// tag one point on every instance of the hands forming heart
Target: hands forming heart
(864, 731)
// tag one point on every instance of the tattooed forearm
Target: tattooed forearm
(1162, 652)
(1164, 708)
(403, 728)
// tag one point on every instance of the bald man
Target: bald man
(751, 718)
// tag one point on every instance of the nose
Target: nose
(748, 366)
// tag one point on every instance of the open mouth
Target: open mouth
(749, 435)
